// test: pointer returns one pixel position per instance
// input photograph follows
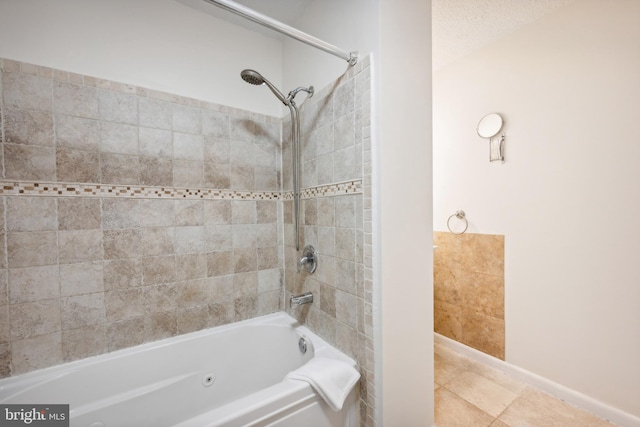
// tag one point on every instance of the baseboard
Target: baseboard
(582, 401)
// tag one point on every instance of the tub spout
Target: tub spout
(296, 300)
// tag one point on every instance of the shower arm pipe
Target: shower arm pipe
(266, 21)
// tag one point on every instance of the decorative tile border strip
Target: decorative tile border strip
(30, 188)
(337, 189)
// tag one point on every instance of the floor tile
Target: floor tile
(453, 411)
(487, 395)
(537, 409)
(448, 364)
(498, 377)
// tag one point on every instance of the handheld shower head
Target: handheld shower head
(255, 78)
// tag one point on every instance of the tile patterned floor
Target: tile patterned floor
(469, 394)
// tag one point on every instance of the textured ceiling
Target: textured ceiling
(462, 26)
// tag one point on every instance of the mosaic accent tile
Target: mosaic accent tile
(30, 188)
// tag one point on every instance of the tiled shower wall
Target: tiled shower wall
(128, 215)
(468, 287)
(336, 152)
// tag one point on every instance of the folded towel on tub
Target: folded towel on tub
(332, 379)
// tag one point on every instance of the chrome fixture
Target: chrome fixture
(462, 217)
(296, 300)
(255, 78)
(302, 345)
(309, 259)
(488, 127)
(266, 21)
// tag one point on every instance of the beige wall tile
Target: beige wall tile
(26, 92)
(120, 168)
(32, 319)
(27, 249)
(242, 177)
(190, 213)
(191, 266)
(24, 162)
(82, 310)
(192, 293)
(192, 319)
(190, 239)
(187, 173)
(77, 166)
(218, 237)
(118, 107)
(80, 245)
(484, 333)
(154, 113)
(33, 284)
(158, 241)
(160, 325)
(75, 100)
(187, 119)
(124, 305)
(268, 257)
(28, 127)
(156, 143)
(125, 334)
(245, 307)
(160, 298)
(78, 213)
(5, 332)
(36, 353)
(83, 342)
(120, 213)
(158, 270)
(80, 278)
(188, 146)
(118, 138)
(123, 243)
(156, 171)
(219, 263)
(31, 214)
(469, 287)
(448, 320)
(122, 274)
(215, 124)
(221, 313)
(77, 133)
(244, 260)
(5, 360)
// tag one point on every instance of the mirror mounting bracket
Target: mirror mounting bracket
(488, 127)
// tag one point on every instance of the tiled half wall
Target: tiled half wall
(469, 290)
(129, 215)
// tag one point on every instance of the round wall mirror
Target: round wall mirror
(490, 125)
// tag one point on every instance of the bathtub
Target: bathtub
(231, 375)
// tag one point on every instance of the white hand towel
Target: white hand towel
(332, 379)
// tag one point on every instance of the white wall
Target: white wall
(567, 198)
(349, 25)
(157, 44)
(406, 213)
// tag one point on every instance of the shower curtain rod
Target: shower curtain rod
(264, 20)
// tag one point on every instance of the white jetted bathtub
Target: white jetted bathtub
(232, 375)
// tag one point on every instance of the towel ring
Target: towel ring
(462, 216)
